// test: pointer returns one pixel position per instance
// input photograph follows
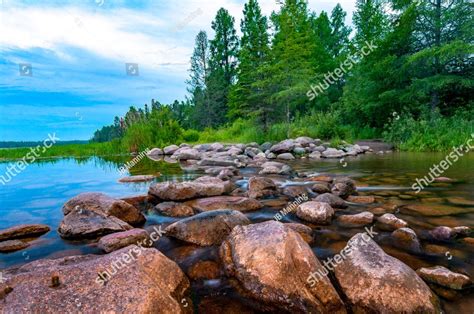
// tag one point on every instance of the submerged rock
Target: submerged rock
(390, 222)
(375, 282)
(115, 241)
(201, 187)
(271, 263)
(174, 209)
(105, 204)
(208, 228)
(343, 187)
(444, 277)
(405, 238)
(273, 167)
(23, 231)
(315, 212)
(260, 187)
(333, 200)
(361, 199)
(146, 282)
(239, 203)
(141, 178)
(12, 246)
(357, 220)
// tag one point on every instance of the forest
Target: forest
(403, 71)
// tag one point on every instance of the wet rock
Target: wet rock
(12, 246)
(286, 156)
(390, 222)
(148, 283)
(443, 233)
(141, 178)
(187, 153)
(437, 210)
(315, 155)
(444, 277)
(201, 187)
(105, 204)
(406, 239)
(155, 152)
(219, 162)
(304, 141)
(84, 223)
(294, 191)
(23, 231)
(274, 167)
(298, 151)
(260, 187)
(204, 270)
(375, 282)
(208, 228)
(462, 231)
(242, 204)
(333, 200)
(304, 231)
(136, 200)
(321, 187)
(321, 178)
(252, 152)
(315, 212)
(116, 241)
(283, 147)
(460, 201)
(333, 153)
(357, 220)
(170, 150)
(266, 146)
(270, 263)
(174, 209)
(343, 187)
(361, 199)
(227, 174)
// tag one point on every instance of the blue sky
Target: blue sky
(78, 50)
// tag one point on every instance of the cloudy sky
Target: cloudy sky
(63, 63)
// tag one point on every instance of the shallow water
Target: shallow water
(37, 194)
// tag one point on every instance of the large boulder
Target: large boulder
(201, 187)
(283, 147)
(131, 280)
(260, 187)
(304, 141)
(174, 209)
(270, 264)
(84, 223)
(105, 204)
(208, 228)
(375, 282)
(23, 231)
(115, 241)
(315, 212)
(239, 203)
(333, 200)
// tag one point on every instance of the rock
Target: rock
(333, 153)
(204, 270)
(242, 204)
(294, 191)
(136, 200)
(319, 148)
(304, 141)
(116, 241)
(155, 152)
(217, 147)
(333, 200)
(299, 151)
(141, 178)
(320, 179)
(149, 283)
(226, 174)
(218, 162)
(260, 187)
(321, 187)
(219, 169)
(105, 204)
(201, 187)
(438, 210)
(443, 179)
(270, 263)
(462, 231)
(361, 199)
(208, 228)
(357, 220)
(23, 231)
(315, 212)
(252, 152)
(444, 277)
(286, 156)
(273, 167)
(375, 282)
(315, 155)
(343, 187)
(266, 146)
(304, 231)
(174, 209)
(170, 150)
(283, 147)
(442, 233)
(12, 246)
(405, 238)
(86, 223)
(390, 222)
(187, 153)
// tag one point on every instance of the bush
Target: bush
(191, 136)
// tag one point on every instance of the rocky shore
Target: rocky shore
(214, 241)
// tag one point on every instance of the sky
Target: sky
(70, 67)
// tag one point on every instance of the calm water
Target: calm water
(37, 195)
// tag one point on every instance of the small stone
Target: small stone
(444, 277)
(390, 222)
(12, 246)
(357, 220)
(315, 212)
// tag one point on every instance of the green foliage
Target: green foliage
(191, 136)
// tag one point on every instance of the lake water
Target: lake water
(37, 194)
